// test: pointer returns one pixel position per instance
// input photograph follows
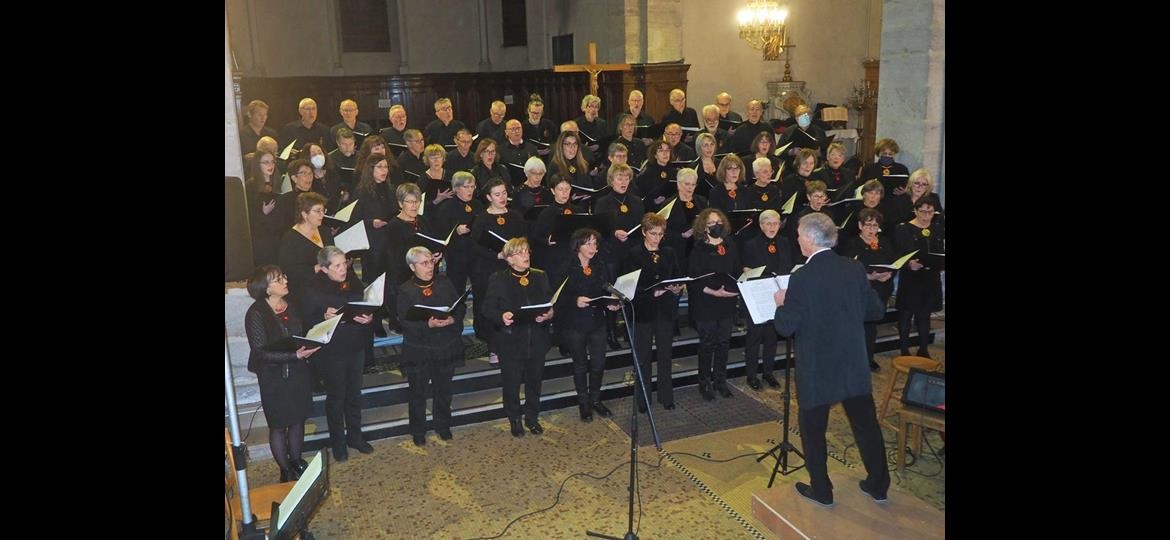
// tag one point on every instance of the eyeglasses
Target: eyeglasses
(919, 184)
(733, 167)
(303, 173)
(870, 225)
(447, 109)
(923, 211)
(268, 162)
(381, 166)
(280, 279)
(567, 143)
(492, 151)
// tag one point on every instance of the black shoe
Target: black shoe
(361, 446)
(419, 440)
(299, 466)
(723, 390)
(585, 411)
(602, 409)
(445, 434)
(882, 499)
(806, 491)
(874, 367)
(923, 353)
(669, 406)
(768, 378)
(754, 383)
(285, 474)
(340, 454)
(535, 427)
(564, 350)
(517, 429)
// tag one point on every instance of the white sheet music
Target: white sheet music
(757, 297)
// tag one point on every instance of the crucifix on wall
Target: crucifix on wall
(592, 68)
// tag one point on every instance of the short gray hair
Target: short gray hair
(462, 178)
(687, 173)
(416, 254)
(534, 164)
(769, 214)
(820, 229)
(759, 164)
(327, 253)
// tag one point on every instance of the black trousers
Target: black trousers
(922, 323)
(714, 339)
(758, 334)
(439, 376)
(661, 332)
(588, 351)
(863, 421)
(529, 369)
(342, 371)
(479, 285)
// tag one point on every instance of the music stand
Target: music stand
(781, 450)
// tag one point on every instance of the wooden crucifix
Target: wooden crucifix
(592, 68)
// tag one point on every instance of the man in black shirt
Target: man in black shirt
(349, 114)
(394, 135)
(493, 126)
(257, 115)
(514, 151)
(461, 158)
(442, 130)
(682, 115)
(741, 140)
(305, 130)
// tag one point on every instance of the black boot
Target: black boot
(517, 429)
(586, 412)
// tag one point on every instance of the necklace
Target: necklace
(426, 288)
(587, 271)
(523, 278)
(623, 208)
(467, 208)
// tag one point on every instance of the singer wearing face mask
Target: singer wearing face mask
(804, 134)
(713, 309)
(325, 179)
(892, 174)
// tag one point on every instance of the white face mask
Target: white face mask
(318, 161)
(803, 120)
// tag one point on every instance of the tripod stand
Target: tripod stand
(639, 384)
(781, 450)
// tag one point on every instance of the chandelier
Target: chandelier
(761, 25)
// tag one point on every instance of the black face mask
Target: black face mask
(715, 231)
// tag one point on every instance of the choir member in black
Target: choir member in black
(892, 174)
(442, 129)
(804, 134)
(763, 145)
(582, 326)
(545, 249)
(567, 159)
(570, 126)
(461, 158)
(401, 235)
(635, 148)
(593, 127)
(682, 115)
(266, 227)
(623, 210)
(654, 182)
(376, 205)
(741, 140)
(431, 348)
(492, 127)
(285, 384)
(521, 345)
(869, 247)
(921, 186)
(834, 175)
(340, 364)
(919, 287)
(763, 194)
(374, 144)
(532, 192)
(458, 214)
(343, 164)
(615, 154)
(412, 161)
(256, 115)
(730, 178)
(325, 181)
(508, 224)
(349, 120)
(679, 234)
(300, 244)
(713, 309)
(305, 130)
(797, 178)
(679, 151)
(818, 201)
(773, 252)
(436, 180)
(723, 102)
(395, 135)
(488, 167)
(655, 310)
(706, 164)
(513, 153)
(872, 196)
(538, 130)
(711, 127)
(643, 122)
(300, 172)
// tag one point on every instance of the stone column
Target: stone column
(233, 161)
(485, 62)
(910, 100)
(403, 67)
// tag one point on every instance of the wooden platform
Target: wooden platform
(854, 514)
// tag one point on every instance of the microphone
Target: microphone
(613, 290)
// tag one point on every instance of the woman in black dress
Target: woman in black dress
(375, 196)
(622, 210)
(340, 364)
(266, 228)
(533, 191)
(582, 325)
(545, 249)
(300, 244)
(713, 308)
(729, 183)
(431, 348)
(285, 391)
(920, 286)
(460, 252)
(507, 224)
(655, 310)
(870, 248)
(679, 234)
(521, 344)
(488, 167)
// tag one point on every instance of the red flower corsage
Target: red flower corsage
(720, 249)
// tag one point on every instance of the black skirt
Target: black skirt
(285, 401)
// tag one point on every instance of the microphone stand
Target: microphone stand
(781, 450)
(248, 530)
(640, 383)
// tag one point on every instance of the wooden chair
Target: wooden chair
(902, 365)
(261, 497)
